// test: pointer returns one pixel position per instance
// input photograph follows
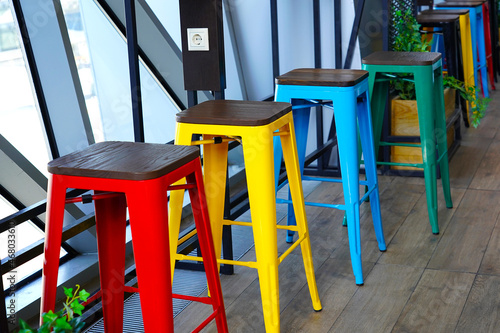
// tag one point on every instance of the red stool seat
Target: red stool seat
(141, 174)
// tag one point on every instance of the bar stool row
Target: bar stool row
(140, 175)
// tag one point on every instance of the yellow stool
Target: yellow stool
(253, 124)
(466, 44)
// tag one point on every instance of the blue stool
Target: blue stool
(477, 37)
(348, 92)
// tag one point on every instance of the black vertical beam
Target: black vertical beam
(133, 62)
(35, 77)
(385, 30)
(192, 96)
(317, 34)
(275, 39)
(354, 33)
(493, 5)
(338, 33)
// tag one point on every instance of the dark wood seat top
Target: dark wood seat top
(459, 4)
(124, 160)
(436, 18)
(402, 58)
(445, 11)
(236, 113)
(322, 77)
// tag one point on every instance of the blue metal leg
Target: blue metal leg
(481, 46)
(347, 133)
(366, 130)
(301, 122)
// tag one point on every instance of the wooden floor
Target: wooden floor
(424, 283)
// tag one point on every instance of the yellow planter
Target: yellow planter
(404, 122)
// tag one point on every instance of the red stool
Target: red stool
(142, 174)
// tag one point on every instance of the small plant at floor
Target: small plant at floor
(409, 39)
(64, 321)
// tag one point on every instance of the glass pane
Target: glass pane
(109, 63)
(20, 122)
(78, 38)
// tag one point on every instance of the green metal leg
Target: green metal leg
(426, 107)
(442, 144)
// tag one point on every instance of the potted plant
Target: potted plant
(404, 120)
(64, 321)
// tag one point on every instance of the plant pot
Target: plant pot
(404, 122)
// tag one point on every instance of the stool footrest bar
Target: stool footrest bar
(315, 204)
(181, 187)
(215, 140)
(204, 300)
(206, 321)
(280, 133)
(87, 198)
(415, 165)
(329, 180)
(291, 248)
(399, 144)
(365, 196)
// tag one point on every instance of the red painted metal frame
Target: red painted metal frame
(147, 203)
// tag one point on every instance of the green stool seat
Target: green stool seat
(426, 70)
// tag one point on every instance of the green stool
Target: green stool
(425, 70)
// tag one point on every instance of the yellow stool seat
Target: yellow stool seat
(253, 124)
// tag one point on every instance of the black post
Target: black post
(274, 38)
(338, 33)
(385, 31)
(317, 34)
(133, 61)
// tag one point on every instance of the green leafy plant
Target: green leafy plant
(478, 106)
(409, 39)
(63, 321)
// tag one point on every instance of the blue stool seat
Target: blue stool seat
(348, 92)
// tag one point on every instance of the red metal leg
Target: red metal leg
(111, 225)
(202, 221)
(147, 202)
(56, 195)
(487, 37)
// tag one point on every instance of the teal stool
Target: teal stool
(426, 69)
(347, 93)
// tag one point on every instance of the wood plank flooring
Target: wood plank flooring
(424, 283)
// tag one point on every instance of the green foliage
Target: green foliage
(409, 39)
(478, 106)
(63, 321)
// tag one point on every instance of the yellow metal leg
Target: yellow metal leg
(215, 170)
(260, 181)
(468, 62)
(294, 181)
(175, 206)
